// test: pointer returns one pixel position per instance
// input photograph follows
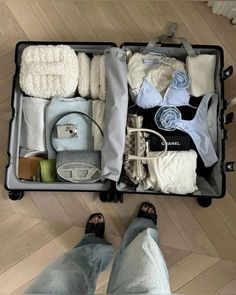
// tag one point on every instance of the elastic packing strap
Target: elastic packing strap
(152, 43)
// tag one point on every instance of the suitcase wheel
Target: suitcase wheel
(204, 202)
(120, 197)
(16, 195)
(104, 196)
(111, 196)
(226, 73)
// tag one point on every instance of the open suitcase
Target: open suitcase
(211, 181)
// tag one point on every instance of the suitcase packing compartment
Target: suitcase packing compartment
(211, 181)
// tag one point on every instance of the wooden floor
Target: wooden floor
(199, 244)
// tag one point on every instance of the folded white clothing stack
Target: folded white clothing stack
(98, 78)
(98, 111)
(175, 172)
(201, 71)
(92, 76)
(49, 70)
(158, 74)
(84, 64)
(33, 124)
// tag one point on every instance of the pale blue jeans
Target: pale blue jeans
(76, 272)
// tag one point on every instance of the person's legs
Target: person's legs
(76, 272)
(139, 266)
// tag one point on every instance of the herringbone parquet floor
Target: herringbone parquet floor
(199, 244)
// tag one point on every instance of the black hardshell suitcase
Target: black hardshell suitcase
(214, 179)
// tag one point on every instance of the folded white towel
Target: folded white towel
(201, 70)
(84, 74)
(48, 70)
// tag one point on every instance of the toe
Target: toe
(96, 219)
(100, 218)
(145, 207)
(150, 210)
(91, 220)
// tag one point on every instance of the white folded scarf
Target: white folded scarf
(84, 74)
(102, 89)
(95, 77)
(98, 78)
(33, 123)
(201, 71)
(175, 172)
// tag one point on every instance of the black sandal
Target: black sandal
(143, 214)
(98, 229)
